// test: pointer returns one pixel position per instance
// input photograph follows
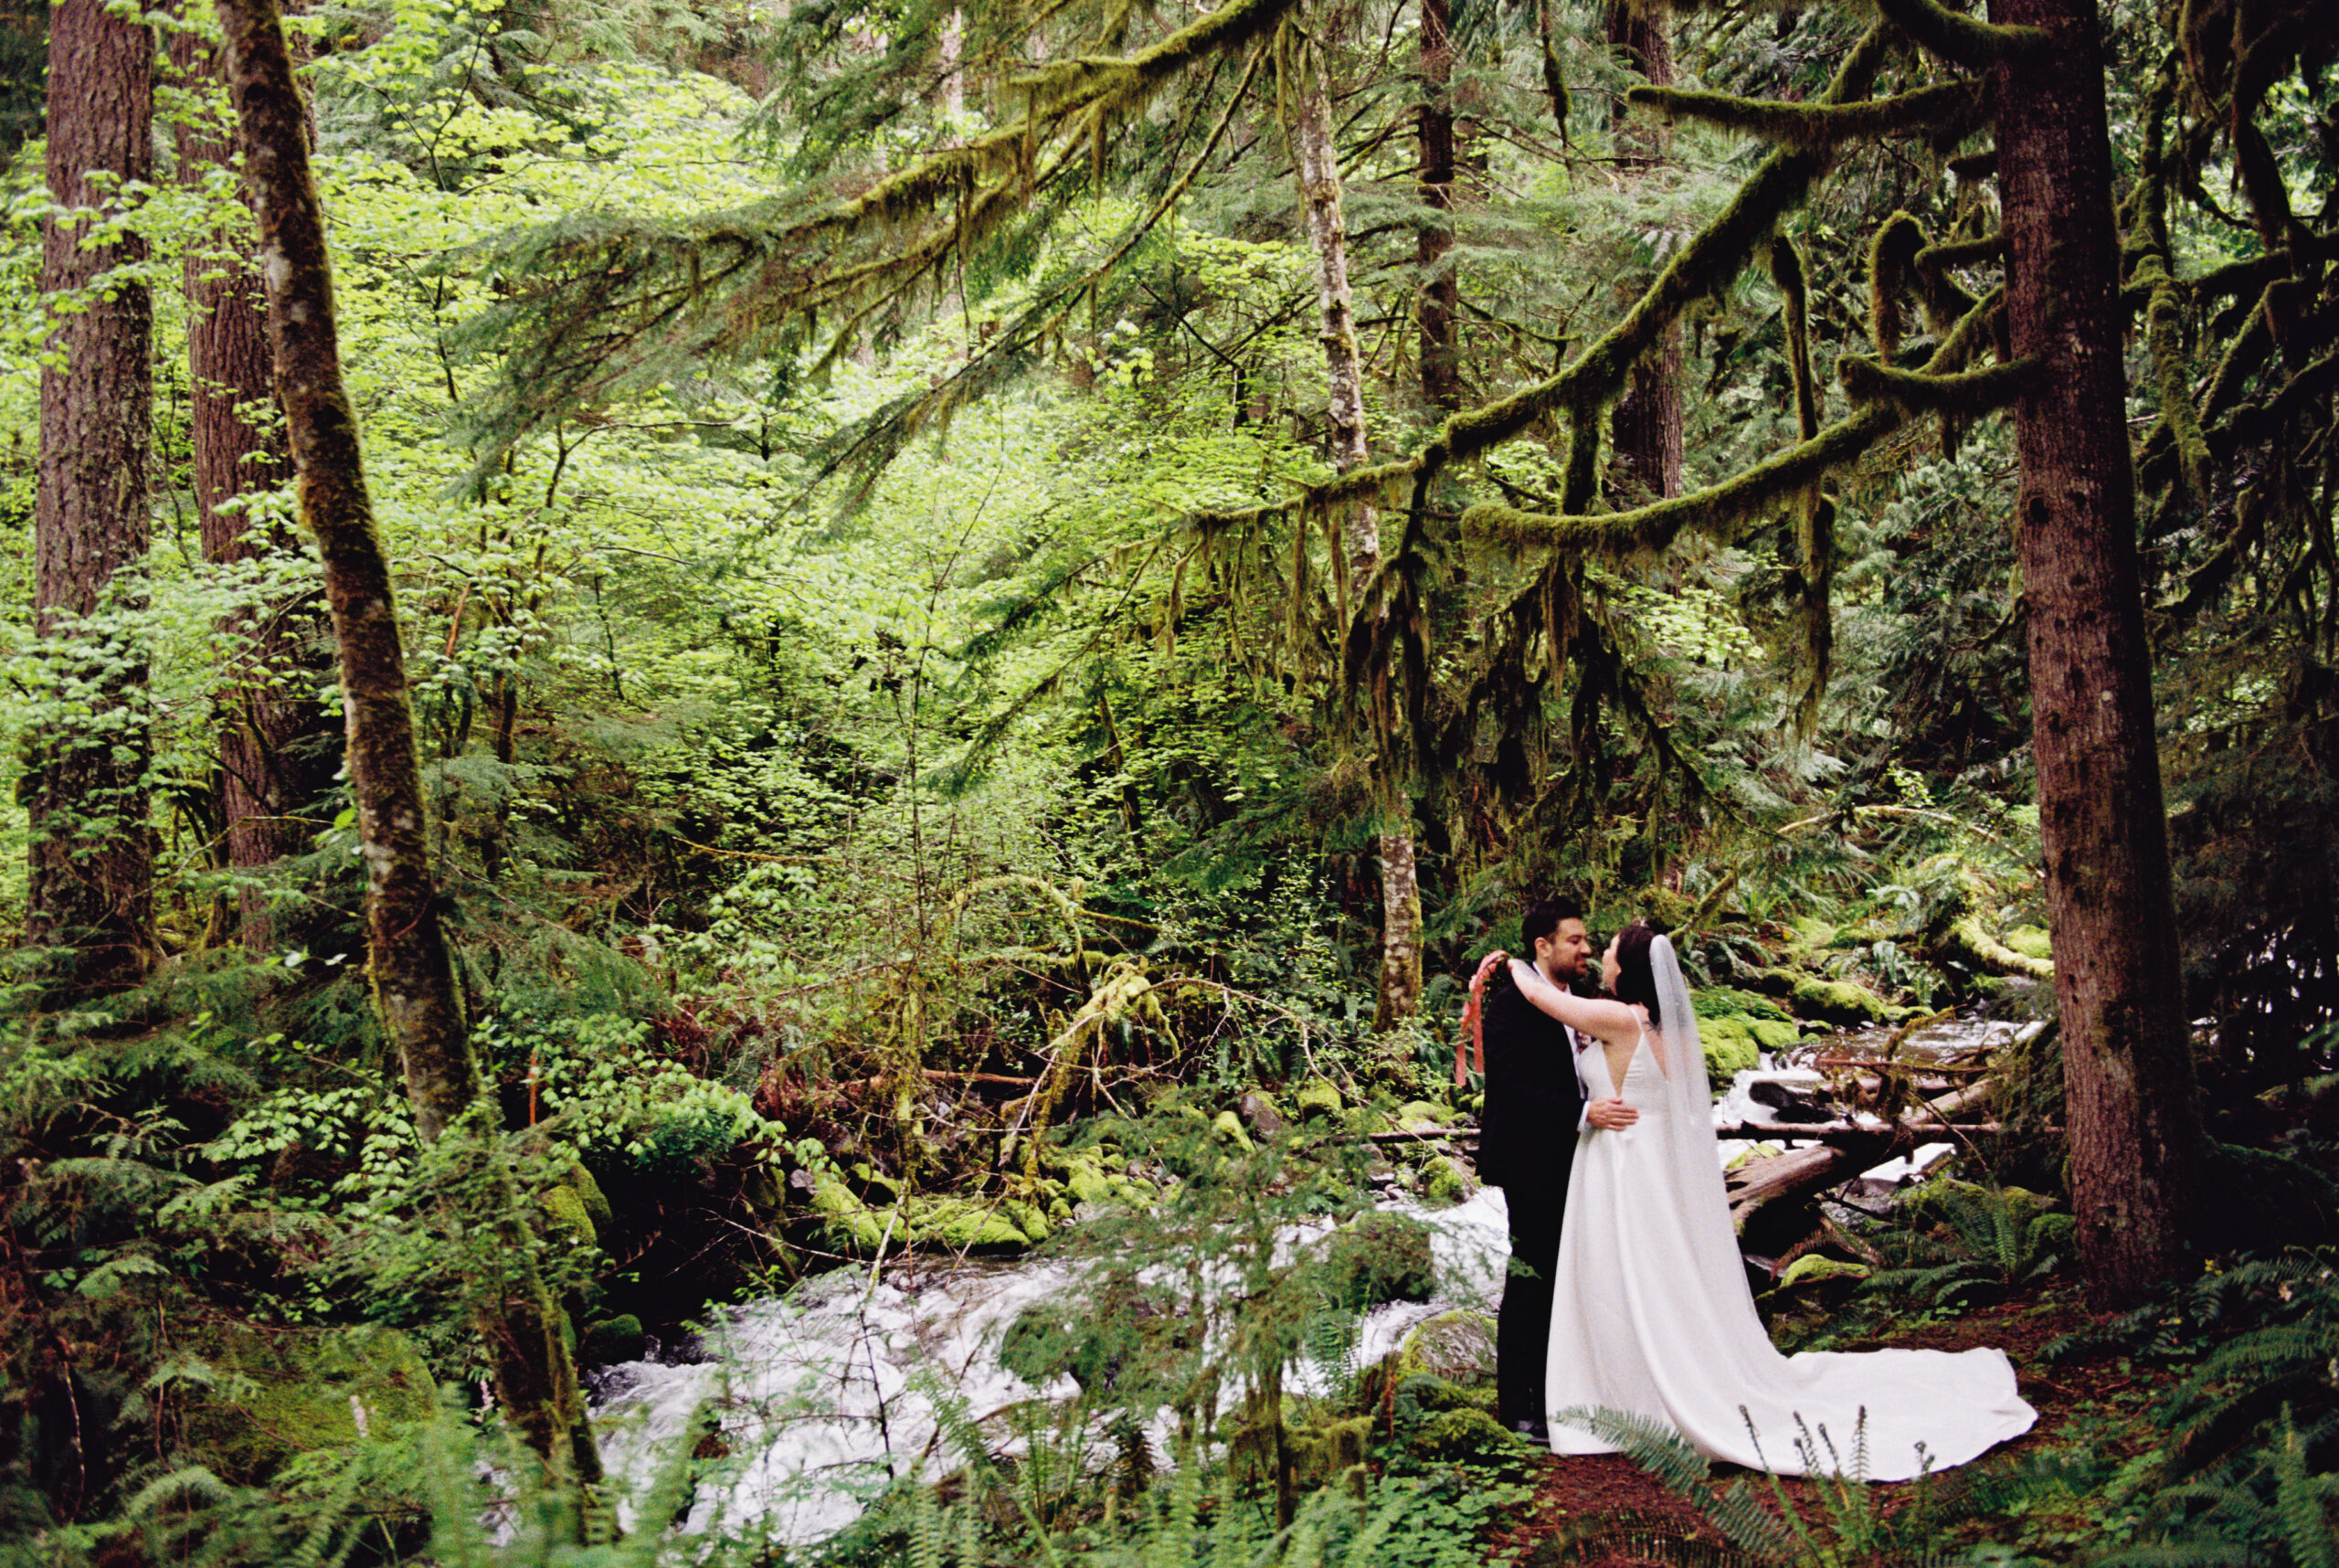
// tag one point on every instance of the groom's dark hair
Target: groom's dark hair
(1542, 918)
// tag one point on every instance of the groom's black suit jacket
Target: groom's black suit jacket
(1527, 1132)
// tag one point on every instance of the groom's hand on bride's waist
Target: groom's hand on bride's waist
(1611, 1116)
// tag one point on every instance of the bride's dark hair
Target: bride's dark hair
(1635, 979)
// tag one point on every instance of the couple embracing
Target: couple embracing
(1627, 1291)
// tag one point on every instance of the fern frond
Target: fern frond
(1683, 1471)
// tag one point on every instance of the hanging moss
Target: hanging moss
(1890, 253)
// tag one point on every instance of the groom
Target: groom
(1534, 1107)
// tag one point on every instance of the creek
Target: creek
(822, 1397)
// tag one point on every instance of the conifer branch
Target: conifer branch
(1958, 39)
(1947, 105)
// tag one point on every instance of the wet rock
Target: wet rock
(1788, 1103)
(1260, 1113)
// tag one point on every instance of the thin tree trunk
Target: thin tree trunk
(90, 894)
(1319, 189)
(1647, 425)
(278, 748)
(412, 970)
(1441, 364)
(2136, 1136)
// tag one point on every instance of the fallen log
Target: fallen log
(1843, 1131)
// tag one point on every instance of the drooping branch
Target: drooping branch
(1948, 106)
(1720, 511)
(1714, 255)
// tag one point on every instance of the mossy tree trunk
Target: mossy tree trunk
(1647, 425)
(412, 970)
(1318, 163)
(278, 748)
(2136, 1136)
(92, 859)
(1440, 362)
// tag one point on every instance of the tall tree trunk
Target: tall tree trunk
(92, 854)
(412, 970)
(2136, 1137)
(278, 747)
(1647, 425)
(1318, 168)
(1441, 364)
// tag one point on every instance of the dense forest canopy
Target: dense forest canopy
(650, 649)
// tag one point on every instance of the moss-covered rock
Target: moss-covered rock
(1729, 1001)
(1028, 1218)
(1730, 1047)
(1813, 1268)
(1420, 1116)
(1836, 1002)
(1229, 1126)
(613, 1339)
(2032, 942)
(1457, 1346)
(961, 1225)
(285, 1392)
(847, 1222)
(1444, 1180)
(1317, 1097)
(566, 1215)
(1378, 1258)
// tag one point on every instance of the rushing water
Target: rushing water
(833, 1390)
(824, 1395)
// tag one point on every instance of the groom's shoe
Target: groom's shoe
(1533, 1431)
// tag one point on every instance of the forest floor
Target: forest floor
(1604, 1511)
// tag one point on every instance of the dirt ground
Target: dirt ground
(1604, 1512)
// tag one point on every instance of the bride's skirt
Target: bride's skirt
(1650, 1315)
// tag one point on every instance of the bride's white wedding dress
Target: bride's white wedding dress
(1651, 1312)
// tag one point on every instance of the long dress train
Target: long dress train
(1651, 1314)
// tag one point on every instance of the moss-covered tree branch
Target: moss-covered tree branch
(1960, 39)
(1947, 106)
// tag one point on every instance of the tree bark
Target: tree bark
(278, 748)
(1441, 364)
(1647, 425)
(412, 970)
(90, 894)
(1318, 167)
(2136, 1137)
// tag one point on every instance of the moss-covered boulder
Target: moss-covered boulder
(1317, 1097)
(1420, 1116)
(1229, 1126)
(1730, 1047)
(1457, 1346)
(847, 1222)
(1378, 1258)
(277, 1393)
(1836, 1001)
(613, 1339)
(958, 1225)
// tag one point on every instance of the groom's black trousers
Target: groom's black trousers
(1523, 1326)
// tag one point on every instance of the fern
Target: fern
(1683, 1471)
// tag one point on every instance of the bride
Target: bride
(1651, 1313)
